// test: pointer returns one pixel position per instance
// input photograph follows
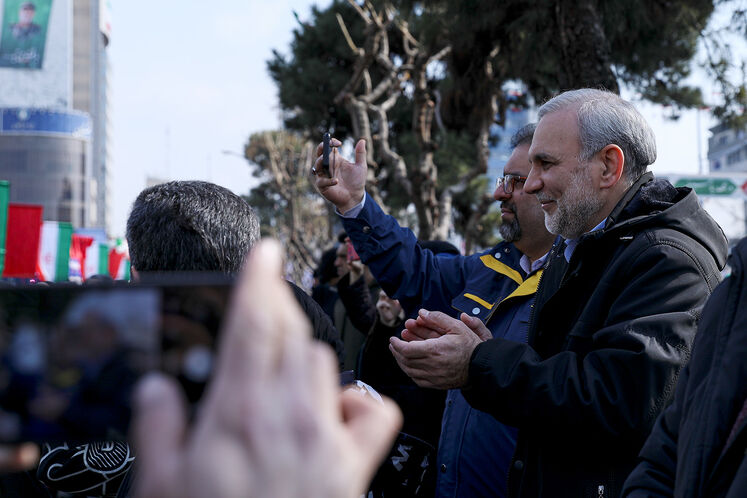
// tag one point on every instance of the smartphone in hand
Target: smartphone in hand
(71, 355)
(325, 154)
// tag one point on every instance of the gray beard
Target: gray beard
(510, 230)
(573, 213)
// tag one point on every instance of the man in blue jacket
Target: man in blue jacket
(496, 286)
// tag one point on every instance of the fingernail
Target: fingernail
(424, 313)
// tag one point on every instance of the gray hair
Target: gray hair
(523, 135)
(604, 118)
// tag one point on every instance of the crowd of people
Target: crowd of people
(593, 352)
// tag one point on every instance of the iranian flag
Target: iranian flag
(119, 261)
(97, 260)
(54, 251)
(22, 240)
(78, 247)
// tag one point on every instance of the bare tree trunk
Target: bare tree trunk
(286, 158)
(473, 228)
(584, 47)
(366, 104)
(424, 175)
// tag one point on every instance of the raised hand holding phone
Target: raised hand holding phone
(325, 154)
(347, 181)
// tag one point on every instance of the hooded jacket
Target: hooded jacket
(609, 332)
(697, 448)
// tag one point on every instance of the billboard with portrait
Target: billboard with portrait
(24, 32)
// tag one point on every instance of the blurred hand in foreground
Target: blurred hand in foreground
(273, 421)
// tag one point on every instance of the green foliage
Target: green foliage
(649, 45)
(319, 65)
(724, 44)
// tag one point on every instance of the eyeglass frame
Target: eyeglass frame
(508, 182)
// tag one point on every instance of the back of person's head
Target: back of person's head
(190, 226)
(98, 279)
(605, 118)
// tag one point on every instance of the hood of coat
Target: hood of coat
(653, 202)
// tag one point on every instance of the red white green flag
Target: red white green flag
(54, 251)
(78, 257)
(97, 260)
(119, 261)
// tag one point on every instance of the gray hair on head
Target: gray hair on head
(523, 135)
(605, 118)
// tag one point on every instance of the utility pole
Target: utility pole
(700, 151)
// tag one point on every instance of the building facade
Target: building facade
(727, 150)
(45, 156)
(54, 146)
(91, 33)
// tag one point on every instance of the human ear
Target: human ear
(613, 162)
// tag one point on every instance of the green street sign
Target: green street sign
(708, 186)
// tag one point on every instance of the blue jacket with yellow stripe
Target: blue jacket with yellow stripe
(475, 450)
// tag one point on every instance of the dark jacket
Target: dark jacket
(474, 449)
(610, 331)
(696, 448)
(321, 326)
(421, 408)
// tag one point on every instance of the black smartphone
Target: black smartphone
(325, 154)
(71, 355)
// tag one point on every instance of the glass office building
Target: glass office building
(45, 155)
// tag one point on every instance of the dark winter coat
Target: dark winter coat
(321, 326)
(609, 333)
(696, 448)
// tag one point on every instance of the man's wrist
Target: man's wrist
(352, 208)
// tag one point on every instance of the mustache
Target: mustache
(509, 206)
(542, 197)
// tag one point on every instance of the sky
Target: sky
(189, 84)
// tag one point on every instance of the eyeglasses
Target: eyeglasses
(508, 182)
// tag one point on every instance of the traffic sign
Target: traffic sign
(709, 186)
